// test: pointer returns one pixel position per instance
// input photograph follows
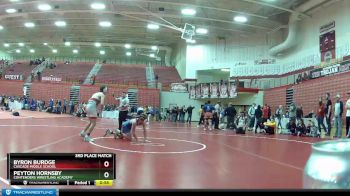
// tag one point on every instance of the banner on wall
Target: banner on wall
(192, 92)
(327, 46)
(198, 91)
(204, 90)
(13, 77)
(223, 90)
(233, 90)
(51, 79)
(214, 90)
(179, 87)
(327, 27)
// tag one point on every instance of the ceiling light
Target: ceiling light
(31, 51)
(14, 0)
(154, 47)
(11, 11)
(152, 26)
(60, 23)
(75, 51)
(21, 44)
(105, 24)
(1, 27)
(45, 44)
(240, 19)
(152, 55)
(225, 70)
(98, 6)
(54, 51)
(18, 51)
(128, 54)
(202, 31)
(29, 24)
(127, 46)
(191, 41)
(7, 45)
(188, 12)
(98, 44)
(44, 7)
(102, 52)
(67, 43)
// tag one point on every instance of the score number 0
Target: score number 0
(106, 164)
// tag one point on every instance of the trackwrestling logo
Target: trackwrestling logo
(29, 192)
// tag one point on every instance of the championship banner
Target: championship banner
(327, 46)
(233, 90)
(192, 92)
(13, 77)
(179, 87)
(223, 90)
(214, 93)
(52, 79)
(204, 91)
(198, 91)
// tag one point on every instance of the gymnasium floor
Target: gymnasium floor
(179, 157)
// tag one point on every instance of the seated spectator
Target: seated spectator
(241, 124)
(33, 105)
(300, 127)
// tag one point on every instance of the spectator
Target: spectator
(328, 113)
(258, 119)
(348, 116)
(279, 114)
(189, 113)
(230, 112)
(251, 114)
(265, 112)
(241, 123)
(299, 112)
(320, 116)
(292, 113)
(338, 112)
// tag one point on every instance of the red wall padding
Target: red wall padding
(275, 97)
(11, 88)
(149, 97)
(46, 91)
(308, 93)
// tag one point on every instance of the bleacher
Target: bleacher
(167, 75)
(72, 72)
(20, 68)
(122, 74)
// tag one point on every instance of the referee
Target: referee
(123, 108)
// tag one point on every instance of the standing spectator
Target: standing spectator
(230, 112)
(265, 112)
(182, 114)
(123, 108)
(251, 114)
(299, 113)
(338, 111)
(328, 113)
(348, 116)
(258, 120)
(201, 114)
(320, 116)
(189, 114)
(279, 114)
(65, 103)
(292, 114)
(269, 112)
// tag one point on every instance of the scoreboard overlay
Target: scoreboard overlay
(61, 168)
